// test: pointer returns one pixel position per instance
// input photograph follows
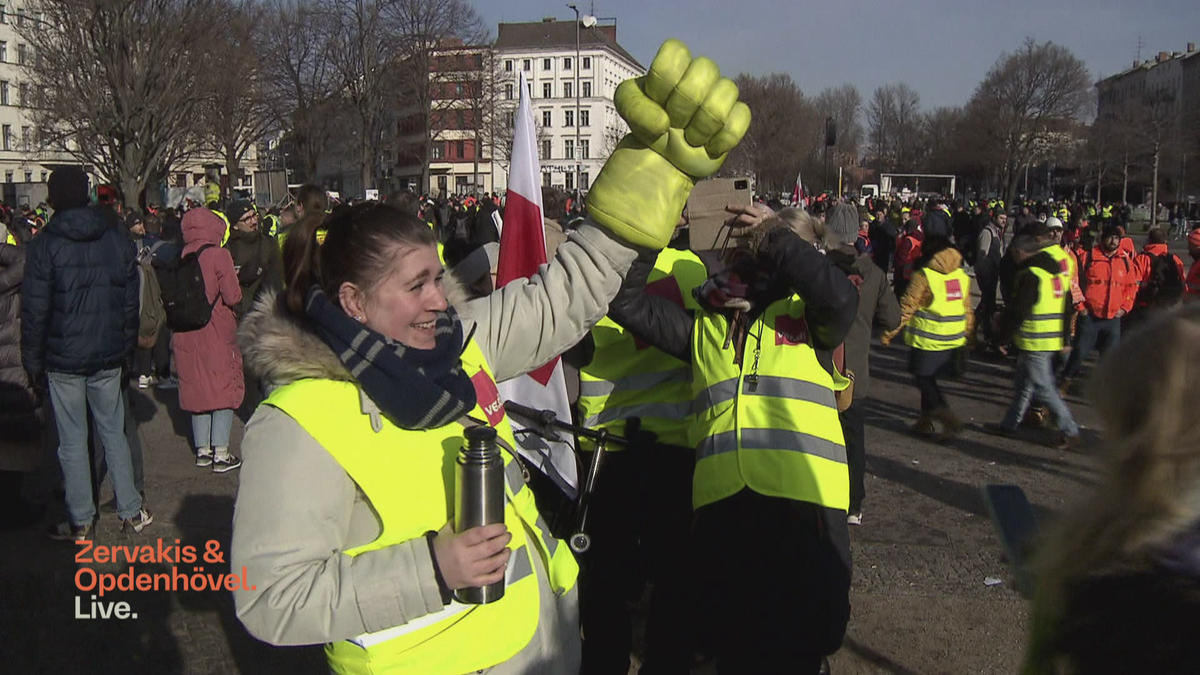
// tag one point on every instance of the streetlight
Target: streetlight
(589, 21)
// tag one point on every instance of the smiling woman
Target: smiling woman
(345, 503)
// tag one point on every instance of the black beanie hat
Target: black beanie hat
(237, 209)
(67, 188)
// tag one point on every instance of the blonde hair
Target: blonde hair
(1149, 492)
(809, 227)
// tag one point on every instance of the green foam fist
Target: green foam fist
(684, 118)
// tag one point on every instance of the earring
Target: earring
(358, 318)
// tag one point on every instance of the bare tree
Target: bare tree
(424, 27)
(236, 114)
(782, 133)
(894, 125)
(1026, 99)
(119, 82)
(844, 104)
(297, 76)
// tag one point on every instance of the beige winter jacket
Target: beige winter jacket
(297, 509)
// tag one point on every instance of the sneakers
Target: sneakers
(138, 522)
(204, 457)
(854, 518)
(69, 532)
(226, 462)
(169, 382)
(144, 381)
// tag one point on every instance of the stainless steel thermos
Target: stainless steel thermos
(479, 487)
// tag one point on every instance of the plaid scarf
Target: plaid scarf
(414, 388)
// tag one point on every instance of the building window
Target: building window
(3, 93)
(28, 176)
(21, 22)
(439, 151)
(545, 64)
(547, 90)
(567, 90)
(584, 181)
(569, 118)
(546, 118)
(508, 65)
(6, 130)
(509, 120)
(24, 89)
(587, 62)
(545, 179)
(460, 148)
(567, 63)
(27, 137)
(21, 54)
(568, 149)
(546, 150)
(8, 176)
(3, 52)
(585, 118)
(525, 65)
(4, 19)
(584, 148)
(45, 176)
(508, 91)
(570, 181)
(587, 89)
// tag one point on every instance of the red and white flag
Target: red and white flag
(798, 193)
(522, 251)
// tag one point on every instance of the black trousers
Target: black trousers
(639, 519)
(853, 422)
(156, 360)
(770, 585)
(987, 303)
(931, 394)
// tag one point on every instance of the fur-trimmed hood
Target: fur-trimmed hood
(278, 349)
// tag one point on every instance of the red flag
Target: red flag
(522, 251)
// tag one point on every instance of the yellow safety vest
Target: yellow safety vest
(1043, 330)
(771, 423)
(272, 223)
(225, 235)
(10, 239)
(408, 476)
(943, 324)
(627, 378)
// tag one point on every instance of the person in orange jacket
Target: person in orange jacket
(1106, 274)
(1191, 285)
(1127, 245)
(1161, 288)
(908, 251)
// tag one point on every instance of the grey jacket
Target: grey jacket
(877, 308)
(297, 509)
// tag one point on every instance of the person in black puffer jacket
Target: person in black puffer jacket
(79, 325)
(21, 409)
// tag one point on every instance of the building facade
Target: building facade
(571, 91)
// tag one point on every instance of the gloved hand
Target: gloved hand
(684, 119)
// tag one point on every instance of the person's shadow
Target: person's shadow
(205, 518)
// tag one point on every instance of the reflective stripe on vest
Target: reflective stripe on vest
(627, 378)
(412, 493)
(1043, 330)
(769, 424)
(943, 324)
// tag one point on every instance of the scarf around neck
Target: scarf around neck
(414, 388)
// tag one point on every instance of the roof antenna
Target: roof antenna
(1140, 43)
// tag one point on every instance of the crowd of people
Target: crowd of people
(359, 341)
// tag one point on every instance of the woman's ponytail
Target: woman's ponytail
(302, 261)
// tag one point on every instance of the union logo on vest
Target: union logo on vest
(953, 290)
(790, 330)
(488, 396)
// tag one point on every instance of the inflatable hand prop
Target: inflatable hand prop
(684, 119)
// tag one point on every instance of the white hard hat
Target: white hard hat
(1054, 223)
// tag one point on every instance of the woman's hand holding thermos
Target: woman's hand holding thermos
(474, 558)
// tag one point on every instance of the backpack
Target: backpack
(183, 295)
(152, 316)
(1165, 285)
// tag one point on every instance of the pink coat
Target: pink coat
(208, 360)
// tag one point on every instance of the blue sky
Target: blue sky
(940, 47)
